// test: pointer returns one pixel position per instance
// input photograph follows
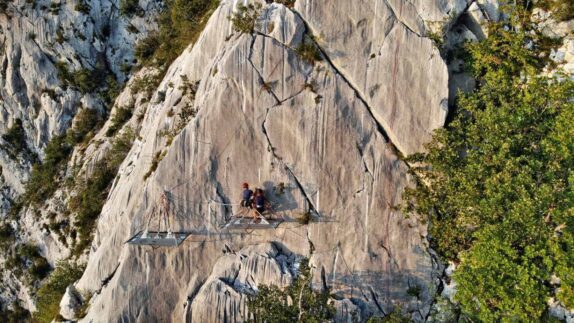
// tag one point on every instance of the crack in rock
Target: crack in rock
(379, 126)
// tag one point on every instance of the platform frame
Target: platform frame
(158, 239)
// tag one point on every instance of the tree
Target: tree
(298, 302)
(497, 181)
(50, 293)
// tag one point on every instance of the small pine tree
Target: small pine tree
(245, 18)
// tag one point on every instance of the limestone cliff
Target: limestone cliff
(324, 137)
(332, 131)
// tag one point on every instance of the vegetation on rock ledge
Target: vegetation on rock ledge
(296, 303)
(498, 182)
(180, 24)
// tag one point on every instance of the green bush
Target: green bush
(84, 80)
(45, 176)
(15, 137)
(498, 181)
(91, 192)
(130, 8)
(7, 236)
(308, 52)
(246, 17)
(180, 24)
(157, 158)
(562, 10)
(286, 3)
(17, 314)
(83, 7)
(297, 303)
(26, 259)
(146, 84)
(122, 115)
(145, 49)
(87, 80)
(4, 5)
(87, 120)
(50, 293)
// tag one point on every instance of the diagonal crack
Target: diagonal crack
(285, 166)
(367, 170)
(398, 17)
(379, 126)
(376, 300)
(249, 58)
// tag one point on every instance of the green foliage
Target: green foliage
(83, 7)
(87, 120)
(122, 115)
(130, 8)
(561, 10)
(497, 182)
(414, 291)
(305, 218)
(180, 24)
(245, 18)
(97, 80)
(25, 259)
(4, 5)
(146, 84)
(45, 176)
(157, 158)
(286, 3)
(297, 303)
(15, 137)
(87, 80)
(396, 316)
(146, 48)
(83, 310)
(7, 236)
(17, 314)
(112, 90)
(308, 51)
(50, 293)
(91, 192)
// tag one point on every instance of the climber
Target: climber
(247, 196)
(259, 202)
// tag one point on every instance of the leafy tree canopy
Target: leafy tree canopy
(497, 182)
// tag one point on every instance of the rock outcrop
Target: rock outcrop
(51, 51)
(269, 117)
(41, 42)
(324, 137)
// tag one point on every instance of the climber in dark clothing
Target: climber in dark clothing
(259, 201)
(247, 196)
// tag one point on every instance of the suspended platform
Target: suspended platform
(158, 239)
(251, 223)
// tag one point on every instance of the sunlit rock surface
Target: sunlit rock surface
(267, 117)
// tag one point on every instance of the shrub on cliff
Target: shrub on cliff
(498, 181)
(296, 303)
(50, 293)
(245, 17)
(180, 23)
(16, 139)
(561, 10)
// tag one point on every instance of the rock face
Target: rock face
(70, 303)
(379, 49)
(236, 275)
(325, 131)
(323, 138)
(39, 40)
